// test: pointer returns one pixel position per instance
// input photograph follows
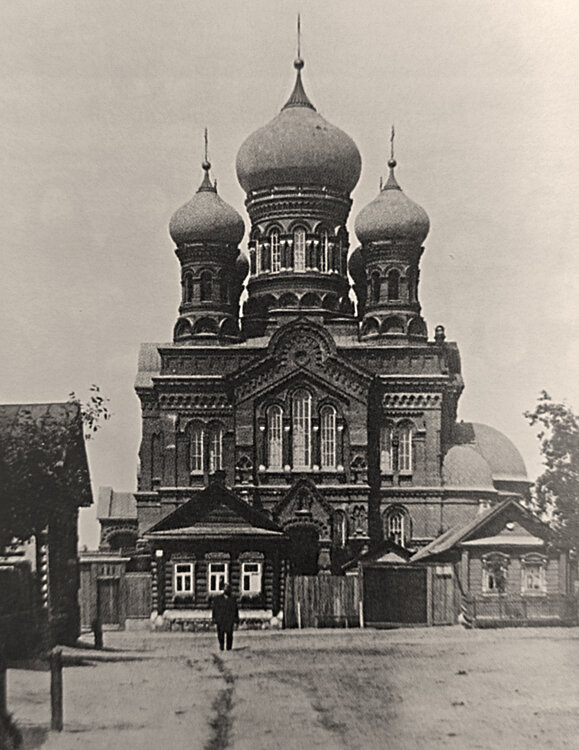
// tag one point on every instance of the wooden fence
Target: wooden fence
(321, 601)
(510, 609)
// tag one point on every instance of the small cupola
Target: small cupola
(207, 232)
(385, 267)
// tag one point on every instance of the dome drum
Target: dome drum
(197, 329)
(396, 324)
(298, 203)
(289, 283)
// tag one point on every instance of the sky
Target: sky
(102, 110)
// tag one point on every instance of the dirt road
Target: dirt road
(405, 689)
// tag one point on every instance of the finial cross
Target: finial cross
(299, 36)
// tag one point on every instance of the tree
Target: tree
(94, 411)
(556, 491)
(39, 464)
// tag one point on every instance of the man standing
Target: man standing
(225, 616)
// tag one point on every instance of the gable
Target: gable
(492, 527)
(223, 514)
(509, 522)
(214, 507)
(301, 348)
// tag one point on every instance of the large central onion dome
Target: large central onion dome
(206, 217)
(299, 147)
(392, 216)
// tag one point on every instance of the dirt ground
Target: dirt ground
(404, 689)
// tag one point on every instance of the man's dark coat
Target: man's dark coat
(225, 612)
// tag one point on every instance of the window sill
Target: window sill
(534, 594)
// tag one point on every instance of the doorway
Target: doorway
(303, 549)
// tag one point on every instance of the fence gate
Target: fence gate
(444, 600)
(395, 595)
(108, 601)
(138, 589)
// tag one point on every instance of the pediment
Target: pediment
(301, 348)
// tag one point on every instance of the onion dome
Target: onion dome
(299, 147)
(392, 216)
(241, 267)
(357, 267)
(206, 217)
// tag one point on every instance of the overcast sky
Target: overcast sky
(103, 105)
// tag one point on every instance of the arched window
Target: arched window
(188, 288)
(337, 255)
(396, 527)
(266, 256)
(328, 437)
(302, 429)
(275, 250)
(340, 529)
(216, 449)
(412, 279)
(324, 251)
(223, 287)
(275, 437)
(375, 287)
(299, 249)
(405, 448)
(393, 285)
(206, 286)
(196, 452)
(386, 449)
(156, 458)
(257, 257)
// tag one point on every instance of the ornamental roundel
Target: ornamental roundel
(302, 349)
(301, 344)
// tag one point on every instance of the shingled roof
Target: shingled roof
(474, 530)
(214, 512)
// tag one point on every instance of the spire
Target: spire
(206, 185)
(298, 97)
(391, 182)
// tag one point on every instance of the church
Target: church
(302, 417)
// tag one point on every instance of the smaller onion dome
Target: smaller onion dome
(206, 217)
(241, 267)
(357, 267)
(392, 216)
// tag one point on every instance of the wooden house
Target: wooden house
(509, 567)
(212, 540)
(56, 447)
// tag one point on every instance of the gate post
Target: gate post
(56, 689)
(3, 691)
(429, 597)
